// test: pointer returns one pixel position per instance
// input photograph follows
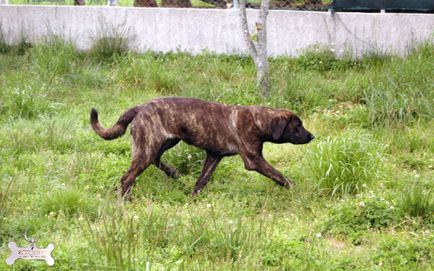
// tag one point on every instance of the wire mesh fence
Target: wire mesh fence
(218, 4)
(314, 5)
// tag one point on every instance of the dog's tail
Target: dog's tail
(118, 129)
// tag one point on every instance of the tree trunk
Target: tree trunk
(112, 3)
(79, 2)
(263, 77)
(257, 45)
(145, 3)
(176, 3)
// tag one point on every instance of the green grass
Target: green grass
(373, 152)
(345, 164)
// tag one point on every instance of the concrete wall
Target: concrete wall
(195, 30)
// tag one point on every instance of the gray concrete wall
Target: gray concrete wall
(195, 30)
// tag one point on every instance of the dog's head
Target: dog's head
(288, 127)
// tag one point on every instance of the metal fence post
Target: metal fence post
(331, 8)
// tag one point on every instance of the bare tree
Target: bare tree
(257, 44)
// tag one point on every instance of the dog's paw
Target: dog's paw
(194, 193)
(289, 184)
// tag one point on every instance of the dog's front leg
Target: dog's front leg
(255, 161)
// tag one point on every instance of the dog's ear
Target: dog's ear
(277, 127)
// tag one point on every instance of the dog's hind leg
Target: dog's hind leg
(144, 153)
(209, 166)
(170, 172)
(139, 163)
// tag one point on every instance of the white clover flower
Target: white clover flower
(318, 235)
(416, 176)
(362, 204)
(231, 222)
(135, 217)
(189, 156)
(209, 205)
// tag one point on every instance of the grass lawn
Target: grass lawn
(364, 187)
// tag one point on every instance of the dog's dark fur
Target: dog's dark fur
(221, 130)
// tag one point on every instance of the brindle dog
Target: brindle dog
(221, 130)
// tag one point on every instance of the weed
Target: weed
(25, 103)
(53, 59)
(187, 159)
(68, 202)
(116, 237)
(404, 253)
(417, 200)
(318, 59)
(396, 96)
(354, 217)
(342, 165)
(6, 189)
(19, 48)
(111, 42)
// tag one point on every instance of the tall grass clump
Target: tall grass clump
(318, 59)
(342, 165)
(353, 217)
(68, 202)
(24, 102)
(418, 201)
(116, 236)
(5, 192)
(53, 59)
(110, 42)
(150, 72)
(396, 95)
(19, 48)
(108, 49)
